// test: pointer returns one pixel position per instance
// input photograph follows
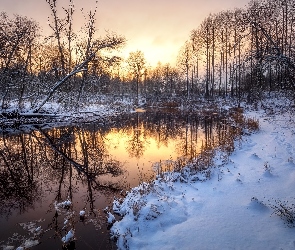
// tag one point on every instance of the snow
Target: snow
(111, 218)
(82, 213)
(98, 107)
(64, 204)
(69, 236)
(30, 243)
(245, 204)
(8, 247)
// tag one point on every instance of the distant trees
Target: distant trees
(163, 81)
(17, 37)
(218, 41)
(274, 40)
(136, 63)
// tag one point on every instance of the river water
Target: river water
(88, 165)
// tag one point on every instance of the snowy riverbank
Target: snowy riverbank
(237, 208)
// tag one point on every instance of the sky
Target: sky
(156, 27)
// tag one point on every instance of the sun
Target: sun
(153, 53)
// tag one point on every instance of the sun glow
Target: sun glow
(153, 53)
(119, 142)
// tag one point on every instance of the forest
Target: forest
(242, 54)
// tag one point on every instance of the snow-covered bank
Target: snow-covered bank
(57, 114)
(237, 208)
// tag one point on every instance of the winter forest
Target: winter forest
(104, 151)
(239, 53)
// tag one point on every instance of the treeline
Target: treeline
(239, 53)
(245, 51)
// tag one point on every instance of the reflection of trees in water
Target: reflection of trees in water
(75, 157)
(71, 160)
(160, 126)
(71, 156)
(196, 136)
(164, 126)
(141, 127)
(62, 162)
(83, 159)
(62, 158)
(193, 133)
(215, 132)
(138, 141)
(19, 187)
(199, 139)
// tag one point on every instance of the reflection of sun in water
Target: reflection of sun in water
(117, 144)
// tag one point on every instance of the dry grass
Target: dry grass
(285, 210)
(224, 138)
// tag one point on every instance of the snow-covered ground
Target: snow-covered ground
(245, 204)
(56, 113)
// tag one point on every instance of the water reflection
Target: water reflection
(63, 163)
(19, 188)
(138, 142)
(90, 164)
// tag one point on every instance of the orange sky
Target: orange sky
(157, 27)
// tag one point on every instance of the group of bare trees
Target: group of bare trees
(244, 51)
(18, 38)
(66, 64)
(237, 53)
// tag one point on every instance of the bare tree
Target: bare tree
(136, 62)
(18, 37)
(58, 27)
(185, 62)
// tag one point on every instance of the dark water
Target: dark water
(89, 164)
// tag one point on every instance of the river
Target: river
(89, 164)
